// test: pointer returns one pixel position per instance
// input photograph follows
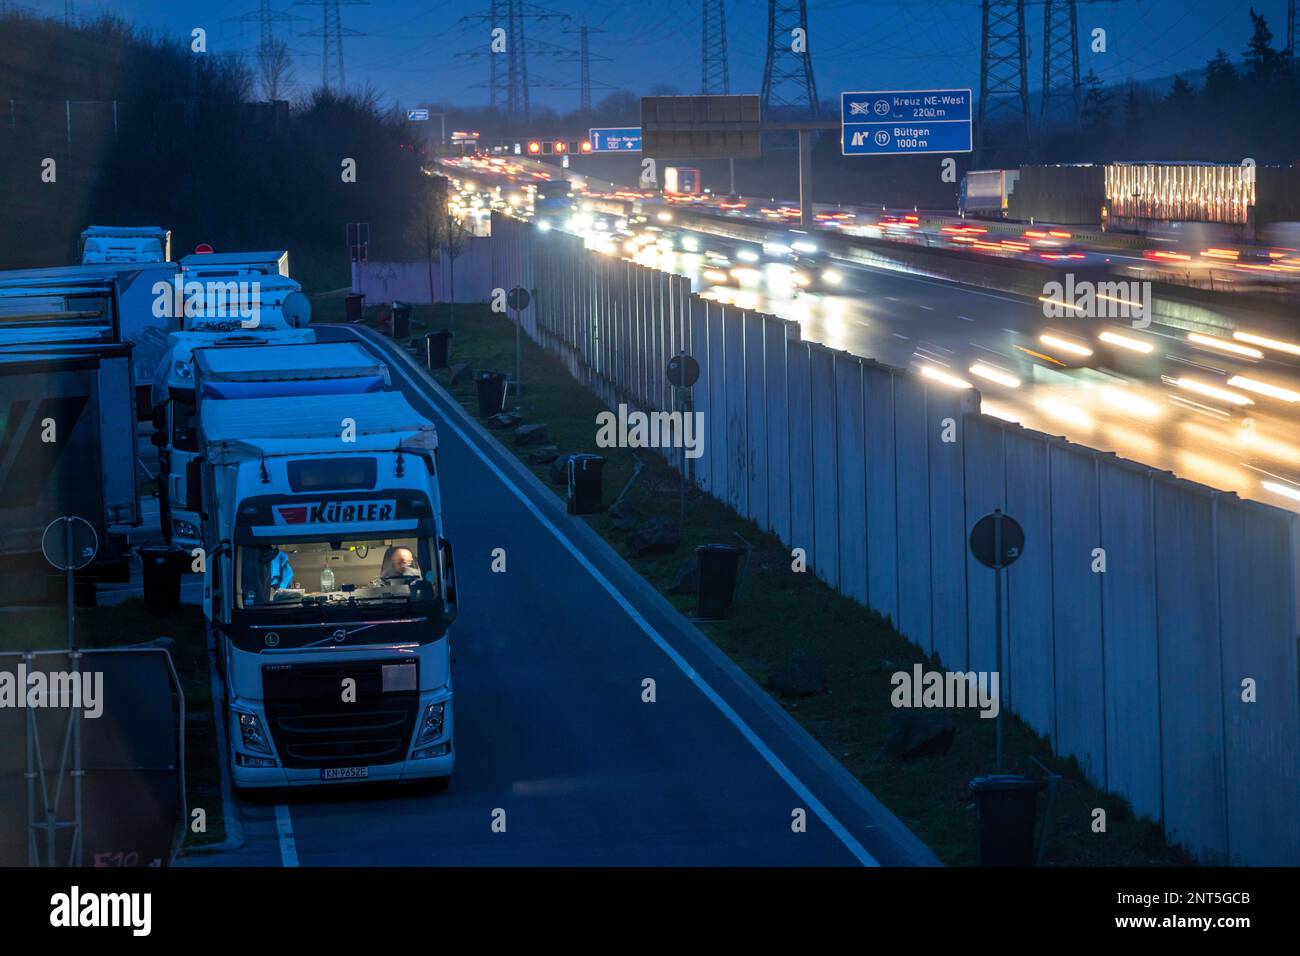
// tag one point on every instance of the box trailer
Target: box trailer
(226, 369)
(126, 244)
(67, 447)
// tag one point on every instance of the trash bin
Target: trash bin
(352, 306)
(1006, 811)
(719, 568)
(438, 348)
(585, 489)
(491, 393)
(401, 320)
(163, 567)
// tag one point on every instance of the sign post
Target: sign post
(905, 122)
(69, 544)
(682, 374)
(518, 299)
(997, 541)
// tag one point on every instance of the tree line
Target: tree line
(106, 124)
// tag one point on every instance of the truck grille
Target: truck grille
(312, 726)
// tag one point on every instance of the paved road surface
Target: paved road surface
(551, 727)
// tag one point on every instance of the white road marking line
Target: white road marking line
(823, 813)
(928, 308)
(900, 335)
(965, 318)
(284, 828)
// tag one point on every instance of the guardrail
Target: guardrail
(1171, 675)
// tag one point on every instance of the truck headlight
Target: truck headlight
(250, 734)
(431, 723)
(184, 529)
(832, 276)
(182, 369)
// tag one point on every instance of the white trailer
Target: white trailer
(126, 244)
(229, 368)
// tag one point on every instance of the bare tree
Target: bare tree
(275, 67)
(426, 225)
(455, 235)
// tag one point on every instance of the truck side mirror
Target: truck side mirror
(449, 604)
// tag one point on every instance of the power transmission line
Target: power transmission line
(332, 29)
(1060, 59)
(714, 73)
(1004, 81)
(510, 17)
(584, 70)
(788, 84)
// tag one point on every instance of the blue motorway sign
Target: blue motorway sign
(625, 140)
(894, 122)
(413, 115)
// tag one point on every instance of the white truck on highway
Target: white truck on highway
(234, 368)
(329, 588)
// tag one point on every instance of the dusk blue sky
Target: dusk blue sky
(408, 52)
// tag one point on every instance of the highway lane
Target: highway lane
(551, 727)
(1226, 437)
(1126, 406)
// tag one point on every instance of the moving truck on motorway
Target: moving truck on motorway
(682, 181)
(234, 368)
(986, 193)
(329, 588)
(126, 244)
(553, 203)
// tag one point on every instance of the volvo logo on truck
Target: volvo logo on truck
(335, 512)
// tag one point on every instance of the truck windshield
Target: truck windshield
(368, 571)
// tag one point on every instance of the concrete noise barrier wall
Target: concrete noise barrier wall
(1150, 625)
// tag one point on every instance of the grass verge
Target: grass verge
(45, 628)
(780, 611)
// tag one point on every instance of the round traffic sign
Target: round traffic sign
(683, 371)
(518, 298)
(997, 540)
(84, 544)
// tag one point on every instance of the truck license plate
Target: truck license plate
(344, 773)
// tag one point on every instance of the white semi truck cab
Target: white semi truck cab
(329, 587)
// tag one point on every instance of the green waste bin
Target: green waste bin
(491, 392)
(401, 320)
(163, 568)
(719, 569)
(352, 306)
(438, 348)
(1006, 811)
